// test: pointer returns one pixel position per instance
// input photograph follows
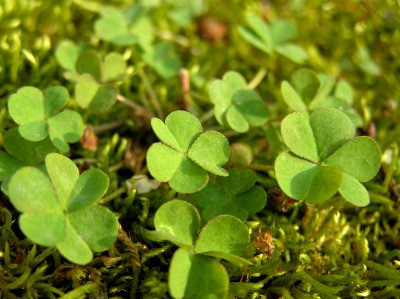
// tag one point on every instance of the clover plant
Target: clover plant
(59, 208)
(186, 153)
(21, 152)
(273, 37)
(96, 86)
(233, 195)
(182, 12)
(195, 271)
(307, 91)
(124, 28)
(163, 59)
(236, 105)
(324, 157)
(39, 115)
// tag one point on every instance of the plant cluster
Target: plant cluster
(134, 171)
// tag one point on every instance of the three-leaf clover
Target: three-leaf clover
(186, 153)
(325, 157)
(224, 237)
(233, 195)
(163, 59)
(58, 209)
(306, 91)
(38, 116)
(273, 37)
(96, 86)
(125, 28)
(237, 106)
(19, 153)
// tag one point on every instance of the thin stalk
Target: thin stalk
(116, 167)
(206, 116)
(108, 126)
(130, 104)
(257, 78)
(113, 195)
(151, 92)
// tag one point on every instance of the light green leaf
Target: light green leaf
(63, 174)
(258, 33)
(183, 228)
(164, 134)
(359, 158)
(27, 105)
(185, 127)
(96, 225)
(298, 135)
(293, 52)
(344, 91)
(91, 186)
(35, 131)
(236, 120)
(306, 84)
(294, 175)
(65, 127)
(85, 90)
(114, 67)
(30, 195)
(324, 183)
(234, 82)
(43, 228)
(67, 54)
(210, 150)
(353, 191)
(163, 59)
(224, 233)
(189, 177)
(282, 31)
(292, 98)
(111, 24)
(162, 161)
(196, 277)
(74, 248)
(331, 128)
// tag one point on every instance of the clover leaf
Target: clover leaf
(186, 153)
(325, 157)
(58, 209)
(236, 106)
(21, 152)
(38, 116)
(96, 88)
(273, 37)
(195, 276)
(163, 59)
(224, 237)
(124, 28)
(233, 195)
(306, 91)
(96, 79)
